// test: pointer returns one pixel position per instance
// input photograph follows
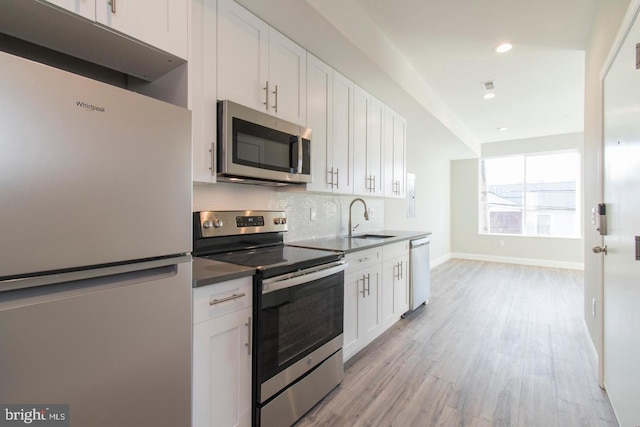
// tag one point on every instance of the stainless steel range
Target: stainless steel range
(298, 309)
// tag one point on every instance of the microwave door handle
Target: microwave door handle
(300, 154)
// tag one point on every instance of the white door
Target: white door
(287, 79)
(360, 128)
(319, 119)
(342, 134)
(162, 24)
(222, 371)
(621, 269)
(243, 50)
(374, 145)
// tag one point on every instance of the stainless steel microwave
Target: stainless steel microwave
(254, 147)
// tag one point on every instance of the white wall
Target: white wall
(467, 242)
(608, 18)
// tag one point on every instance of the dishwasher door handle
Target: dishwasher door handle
(419, 242)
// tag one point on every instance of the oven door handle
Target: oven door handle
(303, 276)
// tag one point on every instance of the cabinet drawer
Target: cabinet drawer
(396, 249)
(221, 298)
(364, 259)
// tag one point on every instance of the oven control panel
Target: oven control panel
(231, 223)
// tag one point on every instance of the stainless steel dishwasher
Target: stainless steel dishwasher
(420, 276)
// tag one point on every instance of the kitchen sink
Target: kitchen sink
(370, 236)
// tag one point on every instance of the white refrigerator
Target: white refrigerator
(95, 236)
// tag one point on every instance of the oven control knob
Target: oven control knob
(217, 223)
(276, 220)
(207, 224)
(284, 220)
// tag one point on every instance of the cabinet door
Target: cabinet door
(374, 146)
(401, 287)
(389, 277)
(319, 119)
(371, 311)
(342, 155)
(160, 24)
(287, 79)
(85, 8)
(222, 371)
(353, 288)
(399, 155)
(202, 89)
(361, 179)
(243, 46)
(394, 154)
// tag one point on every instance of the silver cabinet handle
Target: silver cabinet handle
(368, 284)
(373, 187)
(229, 298)
(112, 3)
(363, 259)
(330, 173)
(248, 343)
(266, 95)
(401, 269)
(275, 105)
(213, 158)
(337, 178)
(363, 289)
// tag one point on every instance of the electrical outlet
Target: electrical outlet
(593, 307)
(370, 213)
(501, 242)
(313, 214)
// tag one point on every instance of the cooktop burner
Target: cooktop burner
(253, 239)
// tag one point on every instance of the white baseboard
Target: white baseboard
(524, 261)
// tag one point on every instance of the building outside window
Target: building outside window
(532, 195)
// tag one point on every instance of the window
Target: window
(534, 195)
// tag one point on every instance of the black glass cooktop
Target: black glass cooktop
(279, 259)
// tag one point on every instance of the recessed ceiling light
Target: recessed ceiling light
(489, 95)
(503, 48)
(502, 129)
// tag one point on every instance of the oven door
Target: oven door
(300, 324)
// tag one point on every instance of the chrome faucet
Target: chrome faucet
(366, 213)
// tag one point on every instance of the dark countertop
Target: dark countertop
(207, 271)
(347, 245)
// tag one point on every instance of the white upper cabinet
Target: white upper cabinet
(243, 45)
(162, 24)
(202, 89)
(320, 120)
(85, 8)
(330, 117)
(287, 79)
(368, 121)
(361, 103)
(258, 67)
(342, 135)
(374, 146)
(395, 143)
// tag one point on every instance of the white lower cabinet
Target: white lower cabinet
(395, 282)
(362, 300)
(222, 354)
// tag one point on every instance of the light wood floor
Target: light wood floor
(497, 344)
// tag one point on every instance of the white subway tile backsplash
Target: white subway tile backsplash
(331, 211)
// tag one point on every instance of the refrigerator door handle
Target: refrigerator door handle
(53, 278)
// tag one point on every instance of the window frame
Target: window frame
(524, 207)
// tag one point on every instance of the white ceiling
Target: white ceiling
(539, 85)
(439, 51)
